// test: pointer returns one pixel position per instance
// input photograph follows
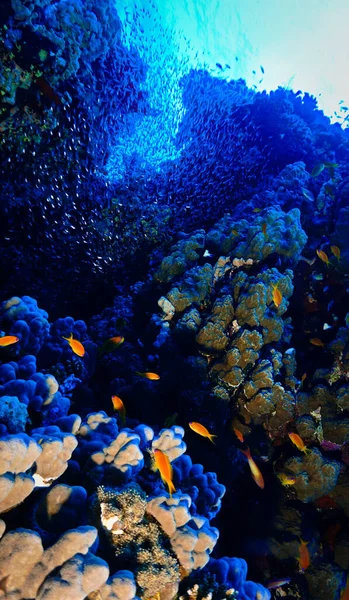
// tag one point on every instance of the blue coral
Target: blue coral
(203, 488)
(57, 350)
(38, 392)
(13, 415)
(22, 317)
(232, 573)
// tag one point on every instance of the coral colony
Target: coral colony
(195, 406)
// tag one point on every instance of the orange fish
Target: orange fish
(298, 442)
(8, 340)
(116, 341)
(336, 252)
(317, 342)
(323, 256)
(111, 344)
(277, 295)
(238, 435)
(119, 406)
(345, 591)
(148, 375)
(234, 232)
(256, 474)
(304, 556)
(264, 229)
(201, 430)
(286, 479)
(75, 345)
(163, 465)
(303, 378)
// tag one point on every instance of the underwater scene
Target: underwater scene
(174, 302)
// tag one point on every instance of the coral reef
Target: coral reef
(218, 264)
(155, 537)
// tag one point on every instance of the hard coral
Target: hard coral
(283, 235)
(18, 454)
(66, 568)
(23, 318)
(184, 253)
(226, 578)
(136, 539)
(315, 475)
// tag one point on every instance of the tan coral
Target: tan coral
(121, 586)
(17, 455)
(315, 475)
(123, 453)
(171, 513)
(53, 460)
(194, 544)
(170, 441)
(26, 566)
(92, 422)
(14, 489)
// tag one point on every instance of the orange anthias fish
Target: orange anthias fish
(298, 442)
(264, 229)
(323, 256)
(148, 375)
(303, 378)
(117, 340)
(286, 479)
(336, 252)
(163, 465)
(317, 342)
(119, 406)
(256, 474)
(238, 435)
(75, 345)
(304, 556)
(277, 296)
(345, 591)
(201, 430)
(8, 340)
(112, 344)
